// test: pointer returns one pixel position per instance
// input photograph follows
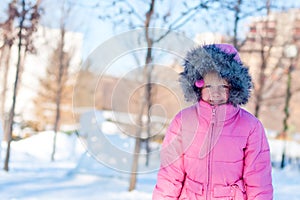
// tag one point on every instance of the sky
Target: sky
(96, 31)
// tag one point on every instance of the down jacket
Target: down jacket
(214, 153)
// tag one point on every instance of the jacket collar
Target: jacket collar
(222, 112)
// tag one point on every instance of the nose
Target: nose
(215, 93)
(217, 89)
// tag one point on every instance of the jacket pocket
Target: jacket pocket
(235, 191)
(240, 191)
(192, 189)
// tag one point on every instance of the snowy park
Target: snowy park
(89, 88)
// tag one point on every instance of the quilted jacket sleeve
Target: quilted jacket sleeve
(257, 169)
(171, 174)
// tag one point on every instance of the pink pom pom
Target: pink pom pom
(199, 83)
(229, 49)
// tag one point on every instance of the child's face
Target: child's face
(215, 90)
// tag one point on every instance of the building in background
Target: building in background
(265, 53)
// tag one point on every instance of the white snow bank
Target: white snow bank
(40, 146)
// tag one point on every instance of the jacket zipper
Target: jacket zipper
(209, 154)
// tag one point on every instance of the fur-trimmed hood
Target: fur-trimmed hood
(222, 58)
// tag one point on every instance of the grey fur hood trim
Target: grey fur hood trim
(222, 58)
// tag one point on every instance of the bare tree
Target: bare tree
(62, 65)
(146, 100)
(8, 37)
(28, 19)
(239, 10)
(265, 41)
(45, 101)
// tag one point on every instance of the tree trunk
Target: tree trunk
(262, 77)
(135, 161)
(60, 86)
(236, 22)
(261, 81)
(12, 111)
(286, 114)
(149, 69)
(146, 102)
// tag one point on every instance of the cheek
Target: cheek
(205, 95)
(226, 96)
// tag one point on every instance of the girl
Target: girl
(215, 150)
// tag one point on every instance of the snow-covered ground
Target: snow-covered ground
(76, 175)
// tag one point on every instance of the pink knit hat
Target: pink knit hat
(229, 49)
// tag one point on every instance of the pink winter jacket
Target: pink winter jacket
(214, 153)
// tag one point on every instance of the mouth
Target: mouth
(217, 102)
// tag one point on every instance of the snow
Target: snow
(75, 174)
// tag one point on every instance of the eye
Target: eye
(207, 86)
(225, 86)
